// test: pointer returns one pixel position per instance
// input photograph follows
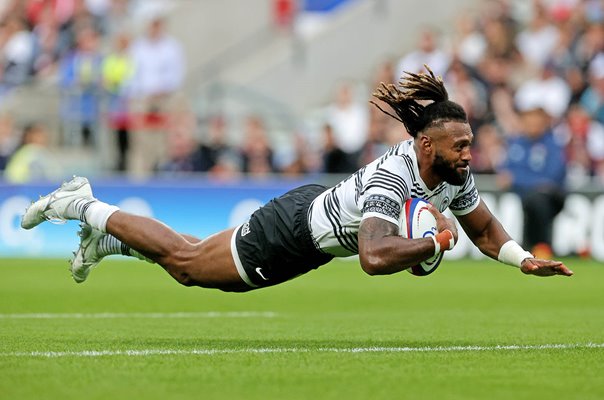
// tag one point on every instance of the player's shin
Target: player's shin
(110, 245)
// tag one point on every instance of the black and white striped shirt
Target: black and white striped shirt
(379, 190)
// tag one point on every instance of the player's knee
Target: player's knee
(182, 264)
(180, 257)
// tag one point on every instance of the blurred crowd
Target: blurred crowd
(521, 67)
(530, 75)
(110, 76)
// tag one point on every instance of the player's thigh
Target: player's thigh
(214, 266)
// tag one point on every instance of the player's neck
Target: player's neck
(426, 172)
(431, 180)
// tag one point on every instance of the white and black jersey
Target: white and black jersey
(379, 190)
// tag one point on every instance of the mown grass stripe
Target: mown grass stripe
(150, 315)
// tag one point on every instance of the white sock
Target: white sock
(110, 245)
(92, 212)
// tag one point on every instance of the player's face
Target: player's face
(452, 153)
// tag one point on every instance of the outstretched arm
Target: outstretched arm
(487, 233)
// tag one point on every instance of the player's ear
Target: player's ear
(425, 143)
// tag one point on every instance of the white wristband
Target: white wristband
(436, 246)
(511, 253)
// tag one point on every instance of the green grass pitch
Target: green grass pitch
(132, 332)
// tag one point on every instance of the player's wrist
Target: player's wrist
(443, 241)
(511, 253)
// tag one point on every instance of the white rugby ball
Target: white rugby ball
(418, 222)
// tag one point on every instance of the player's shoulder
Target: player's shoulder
(398, 165)
(397, 156)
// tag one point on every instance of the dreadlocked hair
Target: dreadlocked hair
(407, 103)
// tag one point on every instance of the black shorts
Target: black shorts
(275, 245)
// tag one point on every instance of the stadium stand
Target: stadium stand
(74, 64)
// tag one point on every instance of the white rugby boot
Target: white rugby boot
(52, 207)
(87, 255)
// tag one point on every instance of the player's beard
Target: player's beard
(448, 170)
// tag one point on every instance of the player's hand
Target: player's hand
(443, 223)
(539, 267)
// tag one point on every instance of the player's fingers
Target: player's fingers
(556, 267)
(563, 270)
(434, 211)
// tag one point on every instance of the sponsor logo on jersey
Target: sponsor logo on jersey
(245, 229)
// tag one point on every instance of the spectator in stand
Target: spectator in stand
(504, 112)
(302, 160)
(81, 18)
(335, 160)
(563, 59)
(375, 145)
(256, 152)
(8, 140)
(81, 82)
(59, 13)
(182, 154)
(349, 121)
(538, 40)
(589, 44)
(427, 52)
(466, 91)
(470, 44)
(32, 161)
(488, 150)
(499, 36)
(592, 99)
(16, 54)
(118, 70)
(554, 92)
(46, 44)
(584, 140)
(495, 72)
(216, 156)
(535, 168)
(159, 73)
(214, 145)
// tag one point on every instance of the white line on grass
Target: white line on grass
(211, 314)
(268, 350)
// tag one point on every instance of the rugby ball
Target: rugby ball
(418, 222)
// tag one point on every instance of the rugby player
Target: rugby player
(310, 225)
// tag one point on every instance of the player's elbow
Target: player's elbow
(372, 263)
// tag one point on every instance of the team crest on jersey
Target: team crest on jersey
(444, 204)
(245, 229)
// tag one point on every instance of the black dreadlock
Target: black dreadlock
(406, 103)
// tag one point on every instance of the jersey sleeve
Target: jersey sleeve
(385, 192)
(467, 198)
